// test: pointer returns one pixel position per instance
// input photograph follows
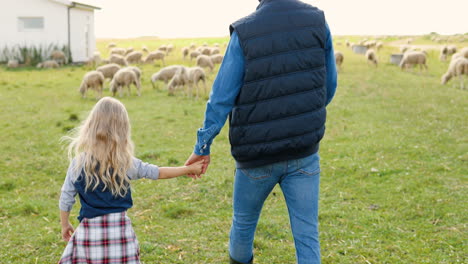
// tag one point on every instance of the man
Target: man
(276, 79)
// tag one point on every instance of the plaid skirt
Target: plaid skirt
(103, 240)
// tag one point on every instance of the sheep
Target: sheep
(144, 49)
(371, 57)
(118, 59)
(205, 51)
(205, 62)
(195, 75)
(339, 59)
(134, 57)
(194, 54)
(379, 45)
(214, 51)
(111, 45)
(405, 48)
(155, 55)
(217, 58)
(413, 58)
(193, 46)
(163, 48)
(48, 64)
(92, 80)
(124, 77)
(95, 59)
(129, 50)
(109, 70)
(464, 52)
(58, 56)
(185, 52)
(348, 44)
(165, 74)
(136, 70)
(169, 49)
(458, 67)
(443, 53)
(451, 49)
(180, 78)
(216, 45)
(12, 64)
(119, 51)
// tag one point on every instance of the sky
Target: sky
(211, 18)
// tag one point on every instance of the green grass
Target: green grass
(393, 182)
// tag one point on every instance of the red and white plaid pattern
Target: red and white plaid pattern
(103, 240)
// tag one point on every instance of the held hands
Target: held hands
(196, 158)
(67, 232)
(195, 168)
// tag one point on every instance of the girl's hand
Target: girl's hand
(196, 168)
(67, 232)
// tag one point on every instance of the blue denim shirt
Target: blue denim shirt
(227, 86)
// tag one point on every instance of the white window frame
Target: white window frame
(21, 27)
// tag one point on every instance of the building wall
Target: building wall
(55, 30)
(55, 23)
(83, 41)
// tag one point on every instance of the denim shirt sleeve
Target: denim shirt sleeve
(68, 192)
(331, 67)
(223, 95)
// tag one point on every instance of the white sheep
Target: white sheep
(155, 55)
(217, 58)
(136, 70)
(48, 64)
(413, 58)
(193, 46)
(59, 57)
(124, 77)
(180, 78)
(205, 51)
(169, 48)
(134, 57)
(443, 53)
(379, 45)
(194, 54)
(214, 51)
(109, 70)
(111, 45)
(144, 49)
(165, 74)
(339, 58)
(115, 58)
(185, 52)
(195, 75)
(95, 60)
(204, 61)
(451, 49)
(405, 48)
(163, 48)
(371, 57)
(12, 64)
(118, 51)
(464, 52)
(92, 80)
(129, 50)
(458, 67)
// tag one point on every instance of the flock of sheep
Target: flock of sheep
(117, 69)
(412, 57)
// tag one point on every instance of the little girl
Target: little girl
(102, 165)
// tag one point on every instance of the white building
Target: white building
(45, 22)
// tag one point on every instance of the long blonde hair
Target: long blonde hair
(102, 146)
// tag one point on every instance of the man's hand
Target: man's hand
(194, 158)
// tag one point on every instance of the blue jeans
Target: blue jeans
(299, 180)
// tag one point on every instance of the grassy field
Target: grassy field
(393, 182)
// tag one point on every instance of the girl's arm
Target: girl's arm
(149, 171)
(67, 228)
(172, 172)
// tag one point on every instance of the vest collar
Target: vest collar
(264, 2)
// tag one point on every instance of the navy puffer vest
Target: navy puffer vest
(280, 113)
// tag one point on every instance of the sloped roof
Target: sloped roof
(82, 3)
